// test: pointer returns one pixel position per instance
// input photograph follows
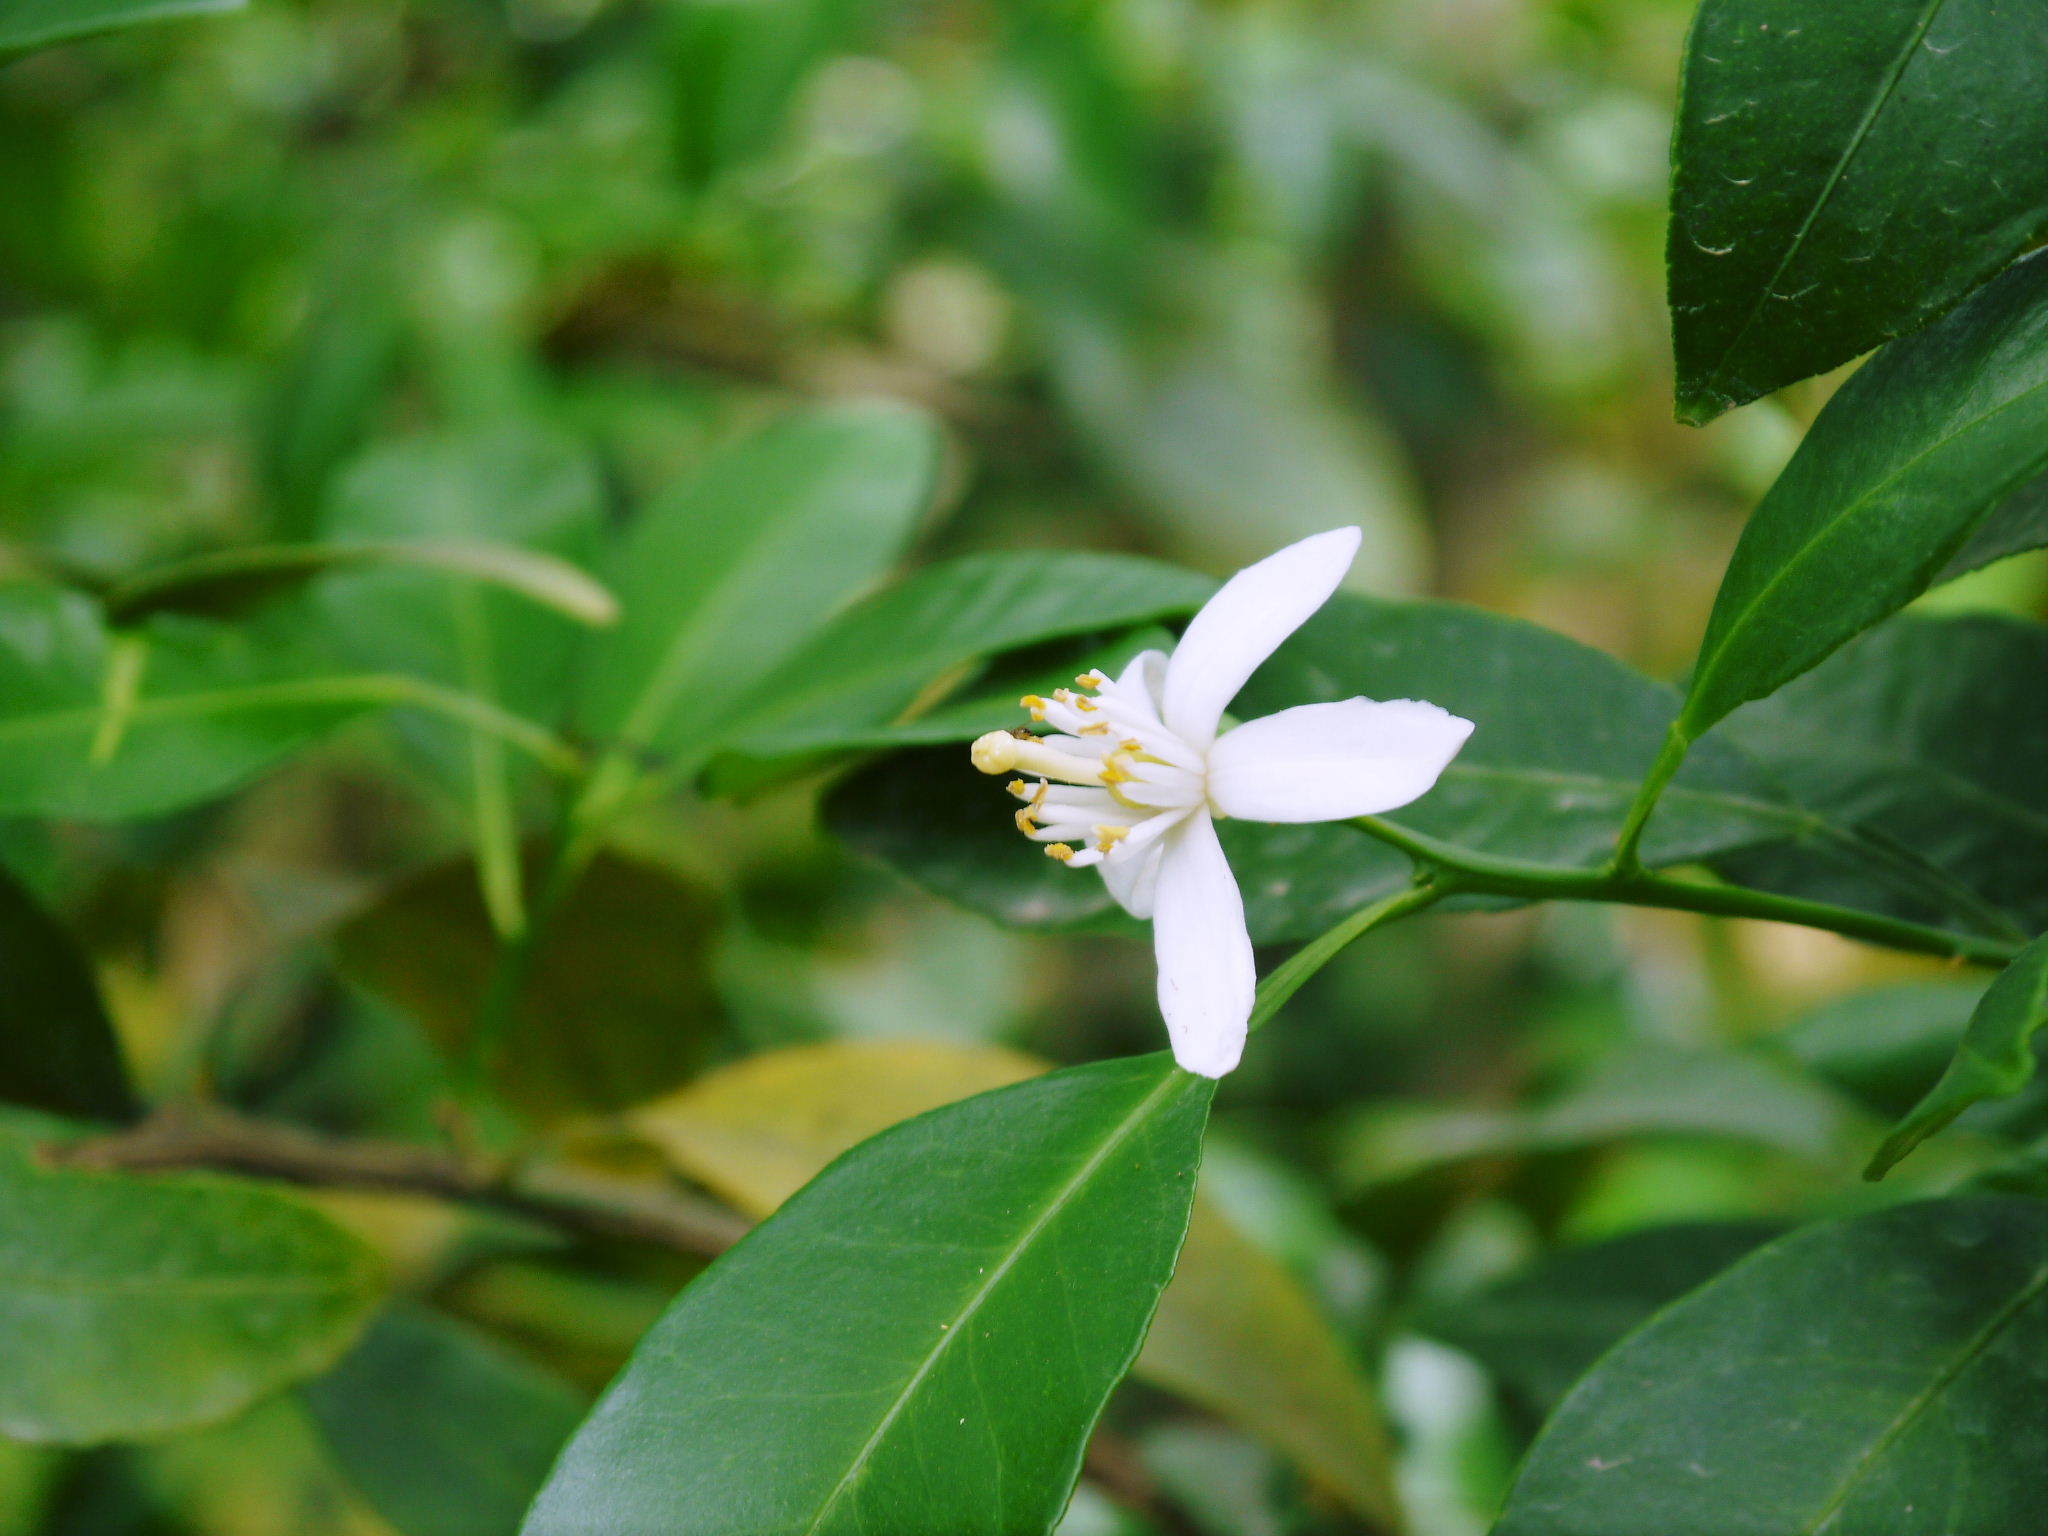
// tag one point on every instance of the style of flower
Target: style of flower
(1138, 769)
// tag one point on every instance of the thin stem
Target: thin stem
(1627, 858)
(1484, 874)
(567, 1199)
(1287, 978)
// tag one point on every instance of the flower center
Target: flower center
(1131, 777)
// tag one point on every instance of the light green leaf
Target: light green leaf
(1928, 737)
(1828, 190)
(727, 575)
(1878, 1376)
(874, 1357)
(26, 24)
(1904, 466)
(230, 582)
(444, 1432)
(58, 1051)
(1994, 1060)
(132, 1307)
(1235, 1332)
(863, 670)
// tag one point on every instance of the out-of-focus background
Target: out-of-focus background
(1190, 279)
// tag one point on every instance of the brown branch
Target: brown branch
(586, 1204)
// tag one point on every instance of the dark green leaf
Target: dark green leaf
(1542, 1327)
(1909, 459)
(207, 709)
(864, 669)
(1928, 737)
(726, 576)
(2017, 524)
(617, 1005)
(1879, 1376)
(1994, 1060)
(1565, 733)
(229, 583)
(1886, 1046)
(131, 1306)
(921, 1339)
(57, 1047)
(444, 1432)
(28, 24)
(1830, 188)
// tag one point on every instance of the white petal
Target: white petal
(1243, 624)
(1323, 762)
(1206, 976)
(1144, 678)
(1134, 879)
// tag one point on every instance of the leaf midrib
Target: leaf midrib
(1918, 1404)
(950, 1331)
(1854, 147)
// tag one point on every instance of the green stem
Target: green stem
(1484, 874)
(1627, 860)
(1287, 978)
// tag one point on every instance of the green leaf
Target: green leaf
(443, 1431)
(1878, 1376)
(58, 1050)
(1994, 1060)
(1909, 459)
(1542, 1327)
(1235, 1332)
(863, 670)
(928, 815)
(1828, 189)
(26, 24)
(617, 1004)
(1643, 1090)
(1928, 737)
(1565, 734)
(188, 713)
(1885, 1046)
(230, 582)
(727, 575)
(134, 1307)
(874, 1357)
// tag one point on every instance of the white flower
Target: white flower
(1138, 775)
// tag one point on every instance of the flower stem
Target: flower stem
(1627, 859)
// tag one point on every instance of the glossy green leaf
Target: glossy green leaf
(1829, 189)
(1540, 1329)
(867, 667)
(1928, 737)
(58, 1050)
(1900, 471)
(195, 710)
(1565, 733)
(444, 1432)
(1994, 1060)
(1235, 1332)
(726, 576)
(1879, 1376)
(1644, 1090)
(232, 581)
(617, 1005)
(135, 1306)
(26, 24)
(928, 815)
(874, 1357)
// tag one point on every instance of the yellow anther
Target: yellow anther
(1099, 728)
(1090, 680)
(1019, 788)
(1058, 851)
(1035, 704)
(1026, 822)
(1107, 838)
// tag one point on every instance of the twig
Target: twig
(587, 1204)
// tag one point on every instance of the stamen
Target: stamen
(1026, 822)
(1107, 837)
(1090, 679)
(1058, 851)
